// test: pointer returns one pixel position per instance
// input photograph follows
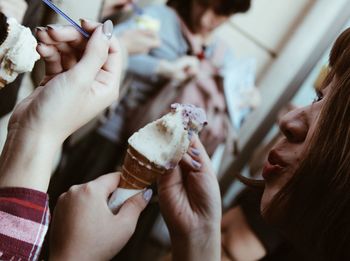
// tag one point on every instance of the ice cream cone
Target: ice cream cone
(138, 172)
(156, 149)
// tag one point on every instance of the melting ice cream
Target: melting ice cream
(18, 52)
(164, 141)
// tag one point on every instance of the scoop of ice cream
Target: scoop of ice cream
(18, 51)
(194, 118)
(164, 141)
(147, 22)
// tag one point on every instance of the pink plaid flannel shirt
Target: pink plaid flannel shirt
(24, 220)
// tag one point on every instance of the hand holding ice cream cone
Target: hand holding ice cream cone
(157, 149)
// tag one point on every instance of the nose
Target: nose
(294, 125)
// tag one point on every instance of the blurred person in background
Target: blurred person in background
(187, 59)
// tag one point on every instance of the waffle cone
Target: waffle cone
(137, 171)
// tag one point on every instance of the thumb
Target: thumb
(133, 207)
(96, 53)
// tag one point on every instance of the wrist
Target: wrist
(204, 244)
(27, 159)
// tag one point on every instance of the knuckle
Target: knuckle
(62, 197)
(136, 204)
(87, 188)
(74, 75)
(73, 189)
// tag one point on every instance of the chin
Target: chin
(266, 201)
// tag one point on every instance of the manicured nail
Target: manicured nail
(190, 134)
(195, 151)
(54, 26)
(196, 164)
(40, 28)
(147, 195)
(108, 29)
(86, 20)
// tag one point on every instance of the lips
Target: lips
(273, 166)
(275, 159)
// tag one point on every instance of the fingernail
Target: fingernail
(195, 152)
(190, 134)
(108, 28)
(85, 20)
(196, 164)
(54, 26)
(147, 195)
(40, 28)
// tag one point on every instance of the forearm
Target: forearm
(205, 246)
(26, 160)
(144, 65)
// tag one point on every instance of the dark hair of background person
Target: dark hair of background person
(314, 207)
(220, 7)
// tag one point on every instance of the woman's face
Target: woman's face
(205, 20)
(285, 157)
(110, 7)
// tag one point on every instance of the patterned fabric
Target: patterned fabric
(24, 219)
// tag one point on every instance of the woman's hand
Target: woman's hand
(139, 41)
(179, 70)
(82, 78)
(83, 226)
(191, 205)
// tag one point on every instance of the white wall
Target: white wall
(264, 30)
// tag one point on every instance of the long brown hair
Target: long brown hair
(221, 7)
(314, 206)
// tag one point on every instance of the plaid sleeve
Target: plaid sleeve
(24, 219)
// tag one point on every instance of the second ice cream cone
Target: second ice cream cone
(138, 172)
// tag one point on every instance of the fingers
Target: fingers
(197, 149)
(170, 180)
(55, 33)
(114, 61)
(196, 157)
(132, 208)
(107, 183)
(88, 25)
(189, 164)
(61, 33)
(52, 58)
(95, 55)
(43, 36)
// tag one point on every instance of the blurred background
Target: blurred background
(278, 58)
